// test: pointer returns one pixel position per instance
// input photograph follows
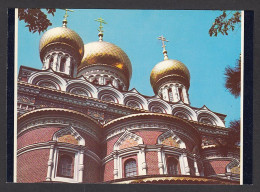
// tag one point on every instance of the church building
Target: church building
(78, 122)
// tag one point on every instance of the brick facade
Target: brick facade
(149, 137)
(91, 170)
(32, 166)
(152, 162)
(215, 167)
(108, 171)
(38, 135)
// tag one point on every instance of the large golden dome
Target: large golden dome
(169, 69)
(61, 35)
(101, 52)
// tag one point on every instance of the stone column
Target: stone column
(185, 96)
(142, 167)
(50, 161)
(101, 80)
(160, 163)
(165, 94)
(196, 167)
(186, 164)
(67, 66)
(115, 83)
(115, 156)
(81, 165)
(55, 62)
(175, 94)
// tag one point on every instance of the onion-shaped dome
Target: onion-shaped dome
(105, 53)
(61, 36)
(169, 69)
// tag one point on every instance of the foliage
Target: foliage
(224, 23)
(36, 20)
(234, 133)
(233, 78)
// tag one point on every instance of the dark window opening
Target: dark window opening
(72, 69)
(172, 166)
(62, 64)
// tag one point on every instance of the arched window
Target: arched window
(62, 64)
(172, 166)
(65, 166)
(130, 168)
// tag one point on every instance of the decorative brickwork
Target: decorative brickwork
(68, 139)
(235, 170)
(128, 143)
(171, 142)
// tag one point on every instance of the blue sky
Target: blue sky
(136, 32)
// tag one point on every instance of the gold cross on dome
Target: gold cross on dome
(163, 39)
(66, 13)
(100, 20)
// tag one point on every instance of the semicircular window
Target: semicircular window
(79, 91)
(133, 104)
(47, 84)
(108, 98)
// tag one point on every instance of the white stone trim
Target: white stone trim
(168, 134)
(125, 136)
(78, 166)
(69, 130)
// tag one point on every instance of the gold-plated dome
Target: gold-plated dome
(170, 68)
(61, 35)
(101, 52)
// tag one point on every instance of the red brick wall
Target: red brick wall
(91, 170)
(215, 167)
(123, 164)
(152, 162)
(108, 147)
(32, 166)
(108, 171)
(90, 143)
(36, 136)
(149, 137)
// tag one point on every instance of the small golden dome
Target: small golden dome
(61, 35)
(101, 52)
(169, 68)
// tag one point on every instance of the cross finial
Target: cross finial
(65, 17)
(163, 39)
(100, 34)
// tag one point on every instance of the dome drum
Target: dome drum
(61, 36)
(169, 79)
(169, 70)
(110, 57)
(103, 75)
